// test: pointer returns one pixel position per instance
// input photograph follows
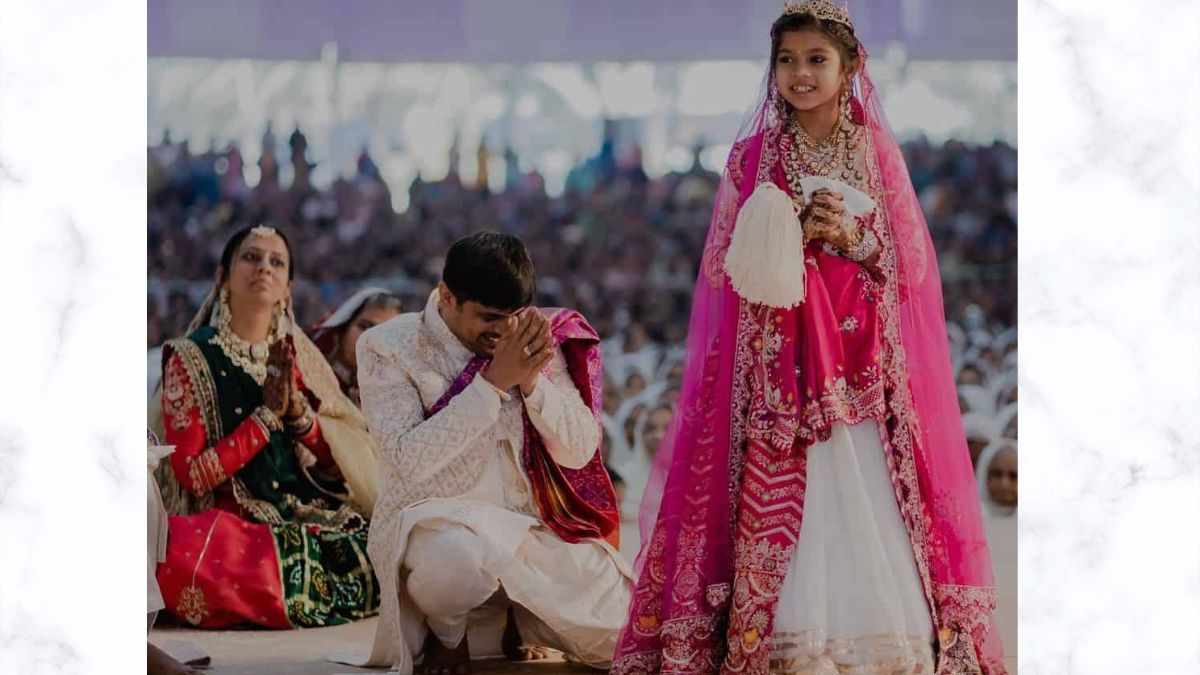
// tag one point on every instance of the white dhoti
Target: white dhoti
(852, 601)
(459, 566)
(156, 533)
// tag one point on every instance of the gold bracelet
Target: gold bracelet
(267, 419)
(853, 240)
(866, 246)
(302, 424)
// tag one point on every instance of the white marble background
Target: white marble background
(72, 351)
(1109, 545)
(1109, 319)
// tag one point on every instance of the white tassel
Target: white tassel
(765, 260)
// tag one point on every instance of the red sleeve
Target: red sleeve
(313, 439)
(198, 467)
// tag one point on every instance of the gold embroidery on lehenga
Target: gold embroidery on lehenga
(964, 611)
(813, 652)
(966, 606)
(205, 471)
(193, 606)
(202, 386)
(177, 395)
(262, 511)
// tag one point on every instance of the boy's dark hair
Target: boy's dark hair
(492, 269)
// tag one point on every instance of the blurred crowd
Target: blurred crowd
(618, 245)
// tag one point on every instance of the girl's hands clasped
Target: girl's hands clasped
(824, 219)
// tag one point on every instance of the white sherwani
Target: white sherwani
(455, 534)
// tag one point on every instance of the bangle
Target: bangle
(864, 247)
(302, 424)
(267, 419)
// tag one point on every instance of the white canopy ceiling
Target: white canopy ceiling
(521, 31)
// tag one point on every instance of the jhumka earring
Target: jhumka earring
(781, 105)
(282, 325)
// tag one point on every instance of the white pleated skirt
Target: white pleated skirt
(852, 601)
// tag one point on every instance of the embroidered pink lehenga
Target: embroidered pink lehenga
(813, 507)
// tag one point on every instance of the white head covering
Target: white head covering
(979, 399)
(350, 307)
(981, 473)
(980, 425)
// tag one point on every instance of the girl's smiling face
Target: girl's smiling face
(809, 70)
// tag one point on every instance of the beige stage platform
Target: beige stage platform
(303, 652)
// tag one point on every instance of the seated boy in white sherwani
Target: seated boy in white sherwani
(496, 521)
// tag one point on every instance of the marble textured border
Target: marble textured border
(72, 385)
(1109, 320)
(1109, 550)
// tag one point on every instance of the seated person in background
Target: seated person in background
(497, 521)
(337, 336)
(657, 423)
(634, 384)
(998, 478)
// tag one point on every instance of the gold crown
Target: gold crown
(822, 9)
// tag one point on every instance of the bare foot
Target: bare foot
(511, 643)
(442, 660)
(159, 662)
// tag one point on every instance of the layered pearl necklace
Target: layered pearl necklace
(250, 357)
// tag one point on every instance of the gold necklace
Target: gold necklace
(243, 354)
(252, 358)
(816, 158)
(832, 158)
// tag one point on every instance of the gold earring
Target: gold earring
(220, 311)
(781, 104)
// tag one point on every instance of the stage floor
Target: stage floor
(303, 652)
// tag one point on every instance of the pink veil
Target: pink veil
(677, 620)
